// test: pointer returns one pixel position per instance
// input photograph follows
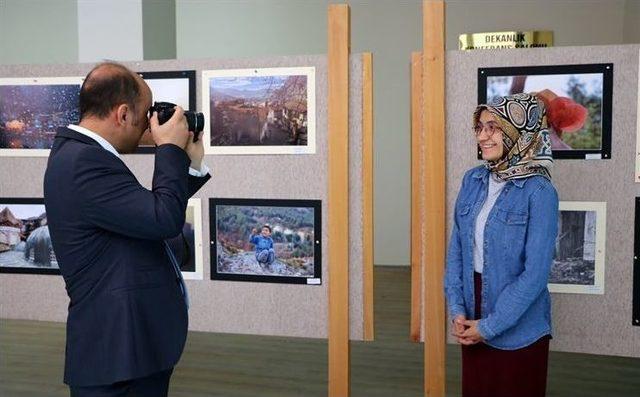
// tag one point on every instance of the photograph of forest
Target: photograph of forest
(574, 262)
(579, 259)
(584, 89)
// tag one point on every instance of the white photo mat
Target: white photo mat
(600, 208)
(196, 204)
(26, 81)
(174, 90)
(310, 148)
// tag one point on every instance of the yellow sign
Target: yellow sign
(487, 41)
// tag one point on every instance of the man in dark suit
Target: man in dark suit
(127, 321)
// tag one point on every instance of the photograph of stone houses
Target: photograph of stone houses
(25, 244)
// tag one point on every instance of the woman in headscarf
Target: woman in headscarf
(501, 251)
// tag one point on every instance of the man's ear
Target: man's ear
(122, 114)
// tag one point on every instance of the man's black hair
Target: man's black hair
(108, 85)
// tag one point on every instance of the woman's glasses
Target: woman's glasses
(491, 128)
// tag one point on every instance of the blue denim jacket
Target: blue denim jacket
(261, 243)
(519, 245)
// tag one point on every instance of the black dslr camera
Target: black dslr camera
(165, 110)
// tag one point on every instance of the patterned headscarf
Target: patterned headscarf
(523, 120)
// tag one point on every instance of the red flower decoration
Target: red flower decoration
(565, 115)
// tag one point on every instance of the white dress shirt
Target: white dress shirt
(204, 170)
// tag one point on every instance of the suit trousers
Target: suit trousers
(154, 385)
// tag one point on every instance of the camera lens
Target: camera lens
(165, 110)
(195, 121)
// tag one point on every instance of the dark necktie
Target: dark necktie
(176, 268)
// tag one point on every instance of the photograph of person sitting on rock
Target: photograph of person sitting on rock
(265, 254)
(258, 237)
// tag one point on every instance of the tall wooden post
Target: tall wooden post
(417, 199)
(338, 58)
(435, 151)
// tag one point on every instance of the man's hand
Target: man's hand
(174, 131)
(471, 335)
(195, 150)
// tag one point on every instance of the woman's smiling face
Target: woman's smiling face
(489, 136)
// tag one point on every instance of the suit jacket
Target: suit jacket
(127, 317)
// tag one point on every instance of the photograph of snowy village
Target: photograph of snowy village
(261, 111)
(25, 243)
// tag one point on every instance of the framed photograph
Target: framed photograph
(25, 243)
(187, 247)
(277, 241)
(32, 109)
(637, 177)
(259, 111)
(177, 87)
(589, 88)
(636, 267)
(578, 266)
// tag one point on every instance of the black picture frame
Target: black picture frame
(17, 269)
(173, 74)
(636, 267)
(606, 69)
(316, 205)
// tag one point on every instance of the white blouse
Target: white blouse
(495, 187)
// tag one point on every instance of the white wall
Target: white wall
(631, 29)
(109, 29)
(38, 31)
(573, 22)
(159, 29)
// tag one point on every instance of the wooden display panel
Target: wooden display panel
(367, 194)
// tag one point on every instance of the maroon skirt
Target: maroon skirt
(491, 372)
